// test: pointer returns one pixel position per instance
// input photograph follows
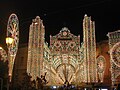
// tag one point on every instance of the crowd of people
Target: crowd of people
(37, 84)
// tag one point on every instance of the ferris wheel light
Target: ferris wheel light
(9, 40)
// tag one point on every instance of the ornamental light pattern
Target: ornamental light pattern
(35, 48)
(114, 48)
(13, 33)
(3, 55)
(64, 60)
(101, 67)
(65, 55)
(89, 49)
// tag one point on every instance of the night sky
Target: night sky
(57, 14)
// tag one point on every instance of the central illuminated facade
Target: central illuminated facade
(65, 59)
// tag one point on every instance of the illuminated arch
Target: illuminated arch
(66, 64)
(66, 72)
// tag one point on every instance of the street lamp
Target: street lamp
(9, 42)
(12, 41)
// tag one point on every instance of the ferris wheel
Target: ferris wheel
(13, 32)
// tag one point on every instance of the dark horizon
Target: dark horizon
(59, 14)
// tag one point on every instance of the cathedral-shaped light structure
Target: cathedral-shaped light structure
(65, 60)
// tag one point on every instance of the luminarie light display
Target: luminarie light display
(114, 48)
(65, 60)
(12, 41)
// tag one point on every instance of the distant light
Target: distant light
(0, 48)
(9, 74)
(36, 23)
(54, 87)
(73, 86)
(45, 14)
(85, 15)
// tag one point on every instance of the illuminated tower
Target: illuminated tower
(35, 48)
(89, 50)
(114, 47)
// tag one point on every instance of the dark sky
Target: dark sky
(59, 13)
